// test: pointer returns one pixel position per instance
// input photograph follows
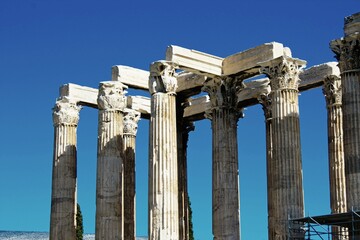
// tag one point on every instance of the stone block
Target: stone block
(247, 61)
(187, 80)
(352, 24)
(314, 76)
(132, 77)
(195, 61)
(83, 95)
(140, 104)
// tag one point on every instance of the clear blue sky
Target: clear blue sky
(47, 43)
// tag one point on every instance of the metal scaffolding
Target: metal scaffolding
(332, 226)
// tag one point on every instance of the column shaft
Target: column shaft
(347, 52)
(224, 115)
(225, 206)
(109, 195)
(285, 190)
(183, 136)
(109, 184)
(63, 197)
(163, 185)
(286, 169)
(130, 128)
(265, 101)
(332, 92)
(163, 163)
(129, 188)
(351, 113)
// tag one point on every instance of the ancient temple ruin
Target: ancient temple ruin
(229, 85)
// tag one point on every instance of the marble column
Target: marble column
(110, 176)
(285, 167)
(224, 115)
(163, 163)
(131, 119)
(265, 101)
(347, 52)
(64, 175)
(332, 92)
(183, 129)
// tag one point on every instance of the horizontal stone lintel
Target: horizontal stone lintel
(310, 78)
(87, 96)
(194, 61)
(314, 76)
(198, 66)
(132, 77)
(247, 61)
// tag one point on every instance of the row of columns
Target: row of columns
(168, 206)
(115, 181)
(116, 143)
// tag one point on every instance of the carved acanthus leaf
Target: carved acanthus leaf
(111, 96)
(223, 93)
(284, 73)
(131, 119)
(347, 52)
(265, 100)
(332, 90)
(162, 77)
(66, 112)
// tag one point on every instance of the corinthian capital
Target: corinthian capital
(66, 112)
(347, 52)
(162, 77)
(265, 100)
(283, 72)
(111, 96)
(131, 119)
(223, 93)
(332, 90)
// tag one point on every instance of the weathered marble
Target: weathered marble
(110, 160)
(163, 162)
(265, 101)
(347, 52)
(224, 114)
(284, 166)
(247, 61)
(131, 77)
(183, 129)
(64, 175)
(131, 119)
(332, 92)
(314, 76)
(195, 61)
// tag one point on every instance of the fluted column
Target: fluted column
(265, 101)
(109, 183)
(224, 115)
(285, 168)
(183, 129)
(163, 163)
(131, 119)
(63, 194)
(332, 92)
(347, 52)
